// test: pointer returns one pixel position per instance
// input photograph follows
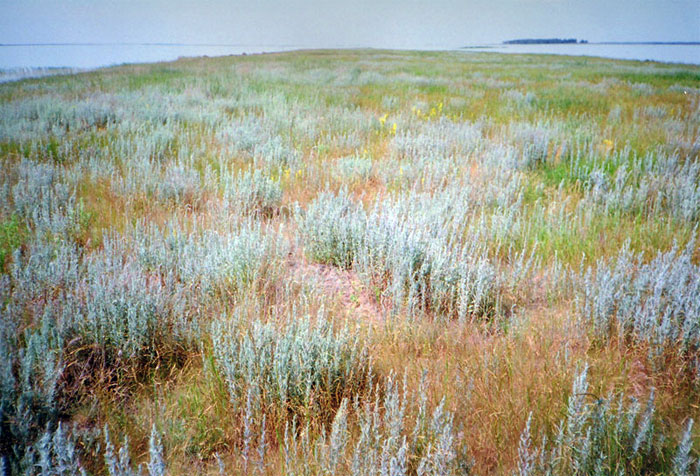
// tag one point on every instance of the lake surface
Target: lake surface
(689, 54)
(95, 56)
(21, 57)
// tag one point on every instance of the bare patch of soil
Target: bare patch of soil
(342, 285)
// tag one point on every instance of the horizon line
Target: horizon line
(289, 45)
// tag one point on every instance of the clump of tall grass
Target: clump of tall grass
(332, 228)
(53, 453)
(441, 139)
(411, 250)
(241, 137)
(353, 169)
(536, 142)
(180, 183)
(212, 262)
(601, 436)
(48, 116)
(43, 201)
(275, 153)
(57, 453)
(655, 303)
(145, 178)
(105, 299)
(303, 367)
(518, 99)
(118, 463)
(652, 184)
(30, 373)
(253, 192)
(398, 435)
(69, 321)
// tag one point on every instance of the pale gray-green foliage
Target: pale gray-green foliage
(156, 465)
(682, 461)
(412, 244)
(655, 302)
(146, 177)
(386, 443)
(291, 366)
(62, 297)
(180, 183)
(43, 200)
(519, 100)
(33, 357)
(209, 260)
(118, 462)
(652, 184)
(441, 139)
(275, 153)
(536, 142)
(107, 297)
(125, 309)
(332, 228)
(353, 169)
(241, 137)
(603, 436)
(252, 192)
(53, 454)
(30, 376)
(526, 454)
(47, 116)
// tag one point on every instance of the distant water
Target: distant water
(94, 56)
(689, 54)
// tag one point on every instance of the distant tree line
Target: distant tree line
(542, 41)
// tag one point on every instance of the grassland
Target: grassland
(352, 262)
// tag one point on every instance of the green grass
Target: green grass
(11, 237)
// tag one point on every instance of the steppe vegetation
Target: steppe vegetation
(352, 262)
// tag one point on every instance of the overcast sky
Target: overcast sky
(333, 23)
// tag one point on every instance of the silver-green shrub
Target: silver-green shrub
(652, 184)
(397, 437)
(43, 201)
(302, 365)
(655, 302)
(353, 169)
(605, 436)
(412, 247)
(210, 261)
(253, 192)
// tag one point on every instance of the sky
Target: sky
(343, 23)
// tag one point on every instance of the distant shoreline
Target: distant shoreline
(673, 43)
(565, 43)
